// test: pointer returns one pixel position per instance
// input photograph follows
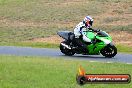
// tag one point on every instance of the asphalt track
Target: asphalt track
(28, 51)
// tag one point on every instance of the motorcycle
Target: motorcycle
(102, 44)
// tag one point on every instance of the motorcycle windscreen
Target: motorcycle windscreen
(102, 34)
(90, 35)
(64, 34)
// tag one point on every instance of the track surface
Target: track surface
(28, 51)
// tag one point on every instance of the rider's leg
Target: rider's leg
(79, 43)
(86, 39)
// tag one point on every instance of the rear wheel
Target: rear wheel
(65, 50)
(109, 51)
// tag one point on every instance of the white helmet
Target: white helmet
(88, 21)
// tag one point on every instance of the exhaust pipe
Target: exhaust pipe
(65, 46)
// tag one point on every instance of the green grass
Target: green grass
(46, 72)
(18, 34)
(124, 48)
(31, 44)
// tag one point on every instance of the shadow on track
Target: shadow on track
(94, 57)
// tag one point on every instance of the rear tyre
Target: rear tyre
(109, 51)
(66, 51)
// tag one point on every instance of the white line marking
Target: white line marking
(93, 61)
(109, 62)
(128, 63)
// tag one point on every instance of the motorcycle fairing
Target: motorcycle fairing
(68, 35)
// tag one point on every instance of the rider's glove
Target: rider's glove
(96, 30)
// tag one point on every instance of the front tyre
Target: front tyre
(66, 51)
(109, 51)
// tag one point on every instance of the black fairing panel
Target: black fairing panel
(102, 34)
(68, 35)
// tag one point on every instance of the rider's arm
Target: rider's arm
(79, 30)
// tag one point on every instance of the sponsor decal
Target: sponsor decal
(83, 78)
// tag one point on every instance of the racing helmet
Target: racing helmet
(88, 21)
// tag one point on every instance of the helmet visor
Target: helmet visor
(91, 22)
(87, 23)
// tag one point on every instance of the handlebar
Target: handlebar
(94, 30)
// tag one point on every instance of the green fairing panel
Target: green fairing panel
(95, 49)
(109, 38)
(90, 35)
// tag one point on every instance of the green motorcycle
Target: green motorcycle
(102, 44)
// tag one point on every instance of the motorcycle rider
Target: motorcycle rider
(85, 25)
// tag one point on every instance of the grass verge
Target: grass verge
(31, 44)
(46, 72)
(124, 48)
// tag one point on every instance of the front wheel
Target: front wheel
(66, 51)
(109, 51)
